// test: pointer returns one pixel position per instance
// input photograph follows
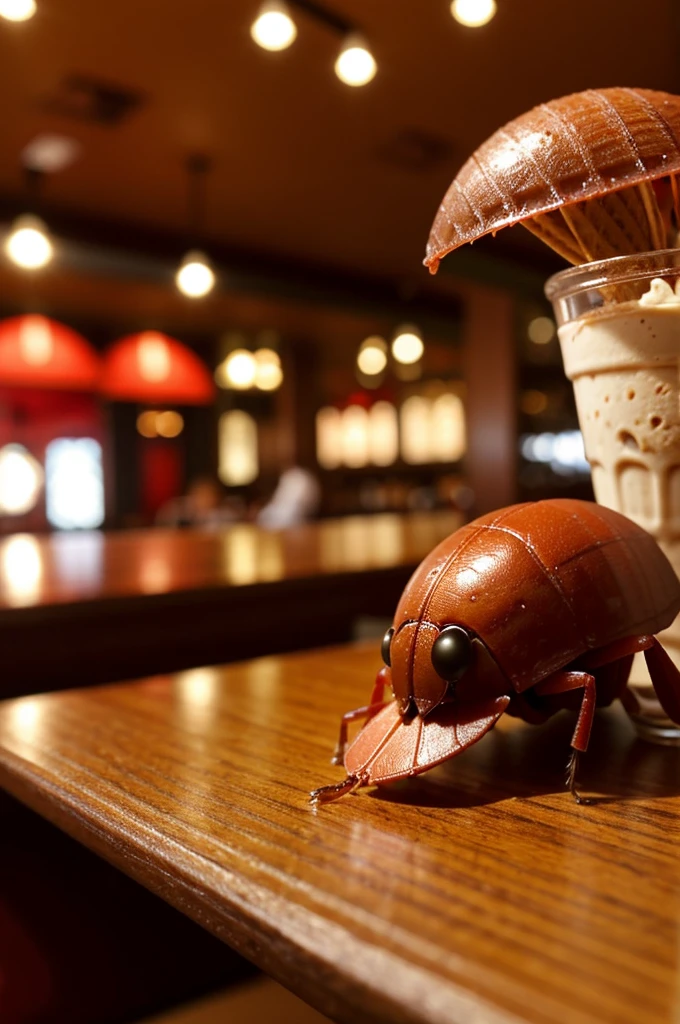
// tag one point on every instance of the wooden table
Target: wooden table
(83, 608)
(478, 893)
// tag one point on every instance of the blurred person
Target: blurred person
(203, 505)
(297, 498)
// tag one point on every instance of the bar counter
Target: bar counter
(85, 608)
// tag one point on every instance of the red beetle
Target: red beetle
(512, 613)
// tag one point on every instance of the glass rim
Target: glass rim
(616, 269)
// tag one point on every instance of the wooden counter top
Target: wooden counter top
(77, 609)
(478, 893)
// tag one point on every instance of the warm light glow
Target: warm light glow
(74, 484)
(383, 434)
(237, 448)
(355, 436)
(160, 424)
(473, 13)
(273, 29)
(21, 479)
(153, 357)
(22, 568)
(36, 343)
(268, 372)
(154, 575)
(355, 64)
(329, 437)
(195, 277)
(28, 244)
(541, 330)
(407, 346)
(533, 402)
(447, 429)
(416, 445)
(146, 423)
(237, 371)
(17, 10)
(372, 358)
(169, 423)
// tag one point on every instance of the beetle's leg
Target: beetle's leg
(562, 682)
(665, 677)
(616, 650)
(353, 716)
(326, 793)
(376, 702)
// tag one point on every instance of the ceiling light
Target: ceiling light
(473, 13)
(28, 244)
(355, 64)
(273, 29)
(49, 153)
(372, 357)
(407, 346)
(195, 276)
(268, 372)
(17, 10)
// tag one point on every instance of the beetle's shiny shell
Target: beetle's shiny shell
(542, 583)
(562, 152)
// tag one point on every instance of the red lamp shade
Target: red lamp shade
(152, 368)
(39, 353)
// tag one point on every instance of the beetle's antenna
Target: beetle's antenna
(572, 768)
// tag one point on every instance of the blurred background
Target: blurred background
(213, 220)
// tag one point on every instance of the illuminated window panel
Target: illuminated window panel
(354, 440)
(447, 429)
(383, 434)
(416, 434)
(237, 448)
(329, 437)
(74, 483)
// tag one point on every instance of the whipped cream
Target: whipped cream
(661, 294)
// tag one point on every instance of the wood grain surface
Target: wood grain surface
(479, 892)
(83, 608)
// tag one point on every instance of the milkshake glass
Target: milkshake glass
(619, 330)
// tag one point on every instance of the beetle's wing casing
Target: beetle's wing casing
(390, 747)
(544, 582)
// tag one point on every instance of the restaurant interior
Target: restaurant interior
(236, 410)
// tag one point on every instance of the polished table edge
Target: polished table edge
(416, 996)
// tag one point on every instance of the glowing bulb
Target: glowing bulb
(273, 29)
(195, 276)
(28, 244)
(239, 369)
(146, 424)
(169, 424)
(407, 346)
(21, 479)
(473, 13)
(268, 372)
(372, 358)
(17, 10)
(541, 330)
(355, 64)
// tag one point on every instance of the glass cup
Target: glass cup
(619, 329)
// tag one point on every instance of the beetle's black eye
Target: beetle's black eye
(451, 653)
(385, 646)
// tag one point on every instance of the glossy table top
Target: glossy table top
(479, 892)
(39, 571)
